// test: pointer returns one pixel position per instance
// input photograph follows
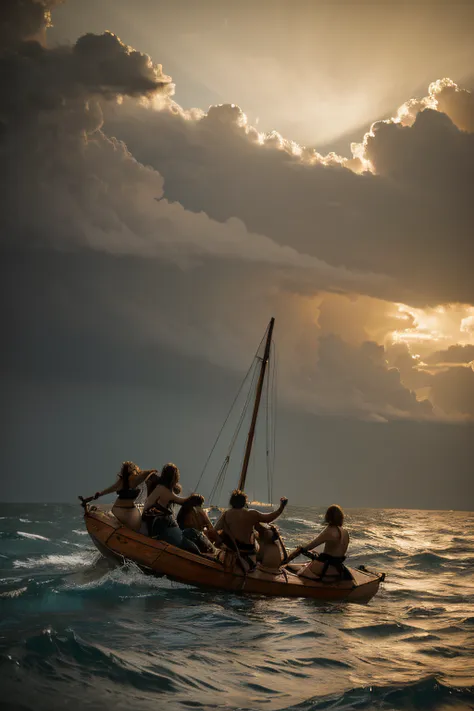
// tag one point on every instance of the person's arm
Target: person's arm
(114, 487)
(143, 475)
(323, 537)
(207, 521)
(269, 517)
(104, 492)
(175, 499)
(219, 524)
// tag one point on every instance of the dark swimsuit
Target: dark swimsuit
(161, 515)
(125, 493)
(245, 551)
(162, 526)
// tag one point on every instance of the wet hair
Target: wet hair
(194, 500)
(334, 516)
(238, 499)
(126, 471)
(169, 476)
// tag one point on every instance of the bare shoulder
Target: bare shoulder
(254, 514)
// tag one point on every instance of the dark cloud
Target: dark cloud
(411, 220)
(453, 391)
(116, 257)
(24, 20)
(360, 377)
(454, 354)
(458, 104)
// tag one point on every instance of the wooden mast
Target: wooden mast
(258, 395)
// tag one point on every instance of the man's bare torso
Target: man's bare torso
(240, 523)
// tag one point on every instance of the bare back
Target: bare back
(336, 541)
(240, 523)
(160, 495)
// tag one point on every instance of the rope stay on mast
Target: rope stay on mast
(218, 484)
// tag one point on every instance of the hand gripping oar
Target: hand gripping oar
(85, 501)
(301, 550)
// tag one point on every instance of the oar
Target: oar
(301, 551)
(294, 554)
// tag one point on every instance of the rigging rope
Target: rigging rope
(270, 426)
(223, 470)
(275, 410)
(252, 365)
(267, 435)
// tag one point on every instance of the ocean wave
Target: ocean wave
(138, 641)
(63, 657)
(71, 560)
(385, 629)
(32, 536)
(12, 594)
(428, 693)
(426, 560)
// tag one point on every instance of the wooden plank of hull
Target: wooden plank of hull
(164, 559)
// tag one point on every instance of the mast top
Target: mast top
(258, 395)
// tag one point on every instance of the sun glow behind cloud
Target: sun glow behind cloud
(434, 328)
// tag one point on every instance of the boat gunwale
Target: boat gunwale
(240, 579)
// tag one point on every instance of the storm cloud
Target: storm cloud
(197, 217)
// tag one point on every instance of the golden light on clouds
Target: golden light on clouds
(434, 328)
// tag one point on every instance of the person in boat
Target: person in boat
(158, 516)
(271, 553)
(236, 527)
(129, 478)
(329, 563)
(193, 519)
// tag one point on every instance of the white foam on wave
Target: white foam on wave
(74, 560)
(303, 520)
(13, 593)
(79, 533)
(36, 536)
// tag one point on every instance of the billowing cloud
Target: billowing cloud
(218, 221)
(411, 218)
(453, 391)
(457, 354)
(24, 20)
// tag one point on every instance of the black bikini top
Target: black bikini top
(125, 493)
(128, 494)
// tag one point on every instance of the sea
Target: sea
(76, 633)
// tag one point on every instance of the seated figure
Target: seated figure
(329, 563)
(158, 515)
(196, 525)
(236, 528)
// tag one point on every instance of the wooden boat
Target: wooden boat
(159, 558)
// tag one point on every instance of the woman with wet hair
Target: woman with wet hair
(196, 524)
(158, 514)
(329, 563)
(129, 478)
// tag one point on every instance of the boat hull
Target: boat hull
(162, 559)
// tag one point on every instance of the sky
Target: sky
(177, 173)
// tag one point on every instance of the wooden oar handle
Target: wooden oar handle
(294, 554)
(301, 551)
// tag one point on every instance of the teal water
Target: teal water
(78, 634)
